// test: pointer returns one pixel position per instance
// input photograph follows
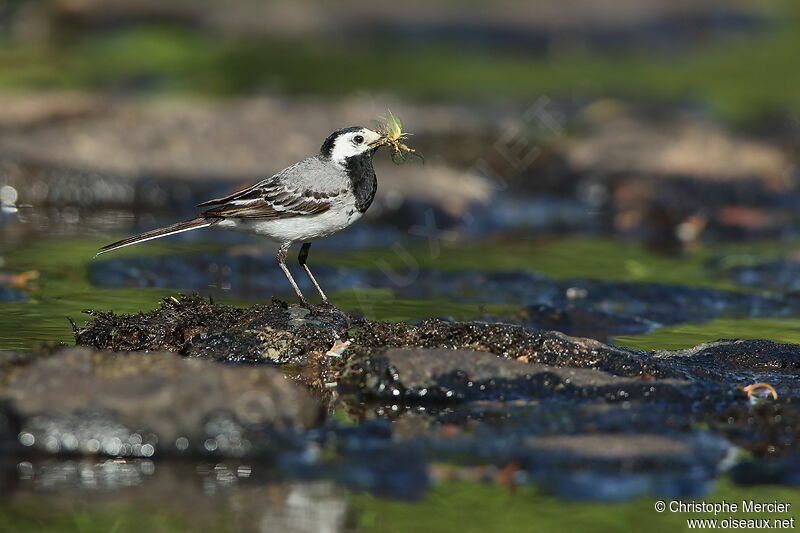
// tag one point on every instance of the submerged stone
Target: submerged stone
(441, 375)
(738, 363)
(11, 295)
(594, 323)
(783, 274)
(766, 431)
(80, 401)
(784, 471)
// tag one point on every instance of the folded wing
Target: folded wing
(301, 189)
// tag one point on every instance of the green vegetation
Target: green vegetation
(29, 515)
(741, 78)
(688, 335)
(568, 257)
(475, 507)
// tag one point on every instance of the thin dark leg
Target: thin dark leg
(302, 259)
(282, 263)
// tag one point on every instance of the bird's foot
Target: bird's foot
(325, 308)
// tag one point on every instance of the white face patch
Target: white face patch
(353, 143)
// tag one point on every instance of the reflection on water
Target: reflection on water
(66, 475)
(142, 495)
(197, 495)
(308, 508)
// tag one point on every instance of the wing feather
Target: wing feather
(269, 205)
(305, 188)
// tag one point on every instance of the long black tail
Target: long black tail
(172, 229)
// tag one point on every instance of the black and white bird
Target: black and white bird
(305, 202)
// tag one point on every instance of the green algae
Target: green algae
(481, 507)
(26, 514)
(687, 335)
(570, 257)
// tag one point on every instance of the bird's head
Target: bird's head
(351, 142)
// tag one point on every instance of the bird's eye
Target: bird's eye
(358, 139)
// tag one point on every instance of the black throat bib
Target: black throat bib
(363, 179)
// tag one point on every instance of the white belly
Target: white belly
(306, 228)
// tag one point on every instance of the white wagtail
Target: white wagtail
(305, 202)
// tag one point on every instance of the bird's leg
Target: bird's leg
(282, 263)
(301, 258)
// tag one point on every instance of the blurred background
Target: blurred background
(626, 170)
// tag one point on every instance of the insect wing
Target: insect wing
(394, 127)
(398, 156)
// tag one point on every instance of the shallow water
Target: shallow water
(63, 288)
(224, 496)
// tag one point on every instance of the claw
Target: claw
(327, 308)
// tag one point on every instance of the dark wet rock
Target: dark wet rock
(765, 430)
(440, 375)
(542, 213)
(173, 324)
(509, 341)
(739, 362)
(197, 327)
(80, 401)
(669, 304)
(783, 274)
(752, 355)
(715, 370)
(9, 429)
(574, 320)
(279, 334)
(178, 322)
(784, 471)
